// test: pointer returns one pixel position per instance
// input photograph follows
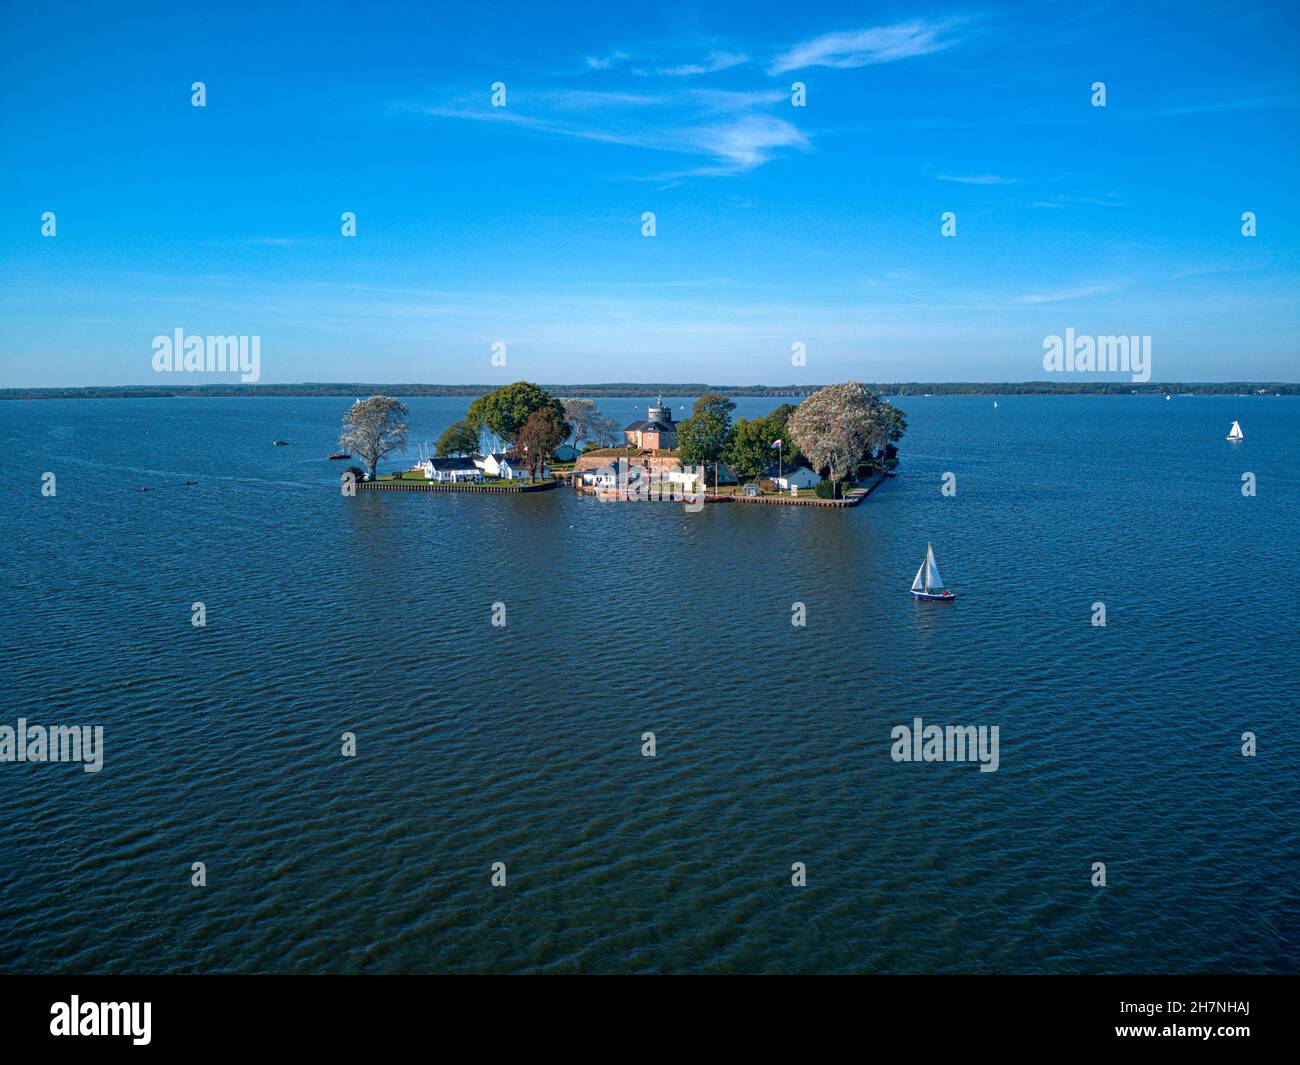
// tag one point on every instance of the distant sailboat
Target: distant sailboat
(1235, 433)
(995, 404)
(928, 583)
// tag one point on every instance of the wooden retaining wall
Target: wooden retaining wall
(852, 499)
(443, 486)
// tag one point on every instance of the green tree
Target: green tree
(373, 428)
(457, 439)
(895, 423)
(718, 405)
(747, 451)
(505, 410)
(702, 437)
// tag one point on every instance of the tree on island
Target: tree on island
(373, 428)
(702, 437)
(749, 450)
(505, 410)
(895, 423)
(457, 439)
(841, 426)
(587, 423)
(540, 436)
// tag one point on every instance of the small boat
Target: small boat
(995, 404)
(928, 583)
(281, 443)
(1235, 433)
(340, 455)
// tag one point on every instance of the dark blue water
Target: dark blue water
(522, 744)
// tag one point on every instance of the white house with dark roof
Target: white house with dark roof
(453, 470)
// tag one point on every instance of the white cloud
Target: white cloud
(860, 48)
(1091, 288)
(977, 179)
(726, 128)
(717, 61)
(749, 141)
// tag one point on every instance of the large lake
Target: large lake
(479, 744)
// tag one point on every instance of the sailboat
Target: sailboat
(928, 583)
(1235, 433)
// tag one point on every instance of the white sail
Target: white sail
(1235, 432)
(932, 578)
(917, 584)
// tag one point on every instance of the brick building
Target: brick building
(657, 431)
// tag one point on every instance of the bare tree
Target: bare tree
(588, 423)
(373, 428)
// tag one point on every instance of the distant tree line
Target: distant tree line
(597, 391)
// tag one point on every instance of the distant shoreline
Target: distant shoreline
(632, 389)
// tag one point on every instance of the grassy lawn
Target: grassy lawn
(735, 489)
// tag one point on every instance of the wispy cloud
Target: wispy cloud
(860, 48)
(747, 142)
(1090, 288)
(729, 129)
(976, 179)
(1108, 200)
(715, 62)
(685, 62)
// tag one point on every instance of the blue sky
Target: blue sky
(775, 224)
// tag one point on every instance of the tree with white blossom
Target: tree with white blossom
(838, 427)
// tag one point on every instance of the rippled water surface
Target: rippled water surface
(522, 745)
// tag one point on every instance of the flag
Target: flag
(776, 443)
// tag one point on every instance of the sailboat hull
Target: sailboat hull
(943, 597)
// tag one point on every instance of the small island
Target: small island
(831, 449)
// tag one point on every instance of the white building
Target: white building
(799, 477)
(451, 469)
(509, 467)
(606, 477)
